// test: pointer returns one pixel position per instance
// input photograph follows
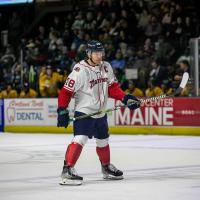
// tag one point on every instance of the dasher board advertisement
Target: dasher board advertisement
(165, 112)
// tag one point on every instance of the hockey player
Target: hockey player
(91, 82)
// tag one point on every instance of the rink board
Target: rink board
(171, 116)
(112, 130)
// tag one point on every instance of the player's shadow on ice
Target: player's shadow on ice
(148, 175)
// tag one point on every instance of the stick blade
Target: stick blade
(184, 80)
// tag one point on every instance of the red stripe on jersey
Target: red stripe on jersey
(115, 92)
(64, 98)
(67, 88)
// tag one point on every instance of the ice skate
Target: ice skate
(110, 172)
(69, 176)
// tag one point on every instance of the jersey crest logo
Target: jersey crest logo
(97, 81)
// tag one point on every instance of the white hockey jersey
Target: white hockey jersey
(90, 86)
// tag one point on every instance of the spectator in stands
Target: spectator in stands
(109, 51)
(9, 92)
(78, 39)
(132, 89)
(158, 72)
(152, 89)
(167, 19)
(153, 29)
(49, 82)
(178, 27)
(90, 23)
(32, 52)
(115, 30)
(123, 48)
(118, 62)
(56, 42)
(8, 59)
(184, 66)
(143, 19)
(148, 47)
(167, 26)
(130, 57)
(27, 92)
(165, 51)
(166, 89)
(140, 60)
(79, 22)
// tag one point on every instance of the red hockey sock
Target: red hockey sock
(72, 154)
(104, 154)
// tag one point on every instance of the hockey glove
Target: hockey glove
(63, 117)
(129, 99)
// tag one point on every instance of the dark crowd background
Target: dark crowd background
(39, 49)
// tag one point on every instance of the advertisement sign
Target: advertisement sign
(28, 112)
(165, 112)
(38, 112)
(1, 116)
(187, 112)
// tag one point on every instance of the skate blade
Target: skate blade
(70, 182)
(113, 177)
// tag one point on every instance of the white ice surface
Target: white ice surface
(155, 168)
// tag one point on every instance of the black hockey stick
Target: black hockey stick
(176, 92)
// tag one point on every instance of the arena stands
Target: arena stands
(148, 36)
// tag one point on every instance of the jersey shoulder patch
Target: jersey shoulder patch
(77, 69)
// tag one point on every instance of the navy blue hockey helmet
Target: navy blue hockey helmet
(93, 46)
